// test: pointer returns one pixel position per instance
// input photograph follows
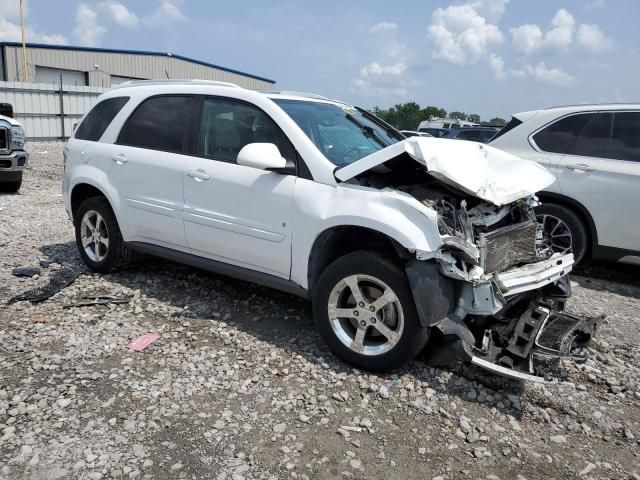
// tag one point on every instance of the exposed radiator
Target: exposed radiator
(508, 246)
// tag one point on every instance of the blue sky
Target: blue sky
(491, 57)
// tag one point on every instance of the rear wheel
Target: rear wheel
(13, 185)
(364, 311)
(98, 237)
(563, 230)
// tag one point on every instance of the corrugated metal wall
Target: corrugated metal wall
(121, 64)
(37, 107)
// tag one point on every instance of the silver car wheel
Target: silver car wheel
(366, 315)
(94, 236)
(555, 233)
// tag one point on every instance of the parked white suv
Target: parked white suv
(594, 152)
(396, 241)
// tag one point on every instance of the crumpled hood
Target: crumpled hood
(477, 169)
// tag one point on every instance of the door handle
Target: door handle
(198, 175)
(120, 159)
(581, 166)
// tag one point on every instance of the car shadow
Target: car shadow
(284, 321)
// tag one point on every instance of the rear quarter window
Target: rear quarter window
(99, 118)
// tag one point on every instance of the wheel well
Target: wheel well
(80, 193)
(339, 241)
(577, 208)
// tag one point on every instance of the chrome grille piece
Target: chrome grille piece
(506, 247)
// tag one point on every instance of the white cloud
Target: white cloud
(492, 10)
(460, 35)
(10, 26)
(383, 27)
(564, 27)
(497, 67)
(375, 69)
(591, 38)
(381, 80)
(168, 13)
(119, 13)
(530, 38)
(499, 71)
(87, 29)
(551, 76)
(563, 34)
(527, 38)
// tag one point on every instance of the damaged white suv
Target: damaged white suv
(403, 245)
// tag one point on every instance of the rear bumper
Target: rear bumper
(15, 161)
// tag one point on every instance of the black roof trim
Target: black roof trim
(135, 52)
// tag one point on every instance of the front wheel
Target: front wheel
(364, 311)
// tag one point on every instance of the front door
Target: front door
(232, 213)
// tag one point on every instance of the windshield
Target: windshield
(342, 133)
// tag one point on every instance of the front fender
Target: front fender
(319, 207)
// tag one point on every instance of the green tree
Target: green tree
(433, 112)
(473, 117)
(458, 115)
(501, 122)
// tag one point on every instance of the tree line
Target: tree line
(407, 116)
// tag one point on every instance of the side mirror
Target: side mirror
(261, 155)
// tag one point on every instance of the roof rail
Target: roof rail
(302, 94)
(136, 83)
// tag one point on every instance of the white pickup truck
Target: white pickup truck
(13, 156)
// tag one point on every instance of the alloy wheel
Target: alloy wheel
(365, 314)
(555, 233)
(94, 236)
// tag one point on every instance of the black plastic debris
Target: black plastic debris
(91, 300)
(26, 271)
(59, 279)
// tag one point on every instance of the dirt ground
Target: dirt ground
(240, 386)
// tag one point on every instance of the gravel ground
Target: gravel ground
(240, 386)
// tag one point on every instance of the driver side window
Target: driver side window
(228, 125)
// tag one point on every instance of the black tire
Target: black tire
(117, 255)
(11, 187)
(413, 337)
(576, 227)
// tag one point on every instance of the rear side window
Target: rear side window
(99, 118)
(594, 140)
(625, 139)
(560, 136)
(159, 123)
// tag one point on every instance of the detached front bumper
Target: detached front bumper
(501, 322)
(535, 275)
(15, 161)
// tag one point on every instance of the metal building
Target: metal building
(103, 67)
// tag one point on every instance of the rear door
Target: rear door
(146, 168)
(601, 170)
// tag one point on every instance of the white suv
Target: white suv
(594, 152)
(396, 241)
